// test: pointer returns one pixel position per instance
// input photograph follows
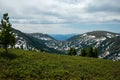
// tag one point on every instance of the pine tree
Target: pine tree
(6, 35)
(83, 52)
(95, 53)
(42, 50)
(72, 51)
(90, 52)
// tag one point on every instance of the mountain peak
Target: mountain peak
(99, 34)
(42, 36)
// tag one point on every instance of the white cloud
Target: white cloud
(60, 12)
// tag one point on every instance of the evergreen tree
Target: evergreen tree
(42, 50)
(90, 52)
(6, 35)
(83, 52)
(95, 53)
(72, 51)
(21, 47)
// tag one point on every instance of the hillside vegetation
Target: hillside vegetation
(31, 65)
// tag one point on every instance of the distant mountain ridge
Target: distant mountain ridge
(108, 43)
(28, 42)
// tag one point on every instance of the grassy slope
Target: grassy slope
(33, 65)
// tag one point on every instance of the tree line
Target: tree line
(85, 52)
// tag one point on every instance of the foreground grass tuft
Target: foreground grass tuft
(31, 65)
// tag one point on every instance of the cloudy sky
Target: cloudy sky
(63, 16)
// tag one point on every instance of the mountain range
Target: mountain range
(108, 43)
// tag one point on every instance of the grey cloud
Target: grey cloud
(71, 1)
(104, 6)
(61, 11)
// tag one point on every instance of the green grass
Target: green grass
(31, 65)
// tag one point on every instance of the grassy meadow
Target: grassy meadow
(32, 65)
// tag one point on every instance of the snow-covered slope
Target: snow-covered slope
(48, 41)
(108, 43)
(28, 42)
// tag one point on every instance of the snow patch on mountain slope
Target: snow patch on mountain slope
(43, 38)
(100, 39)
(106, 53)
(110, 35)
(84, 35)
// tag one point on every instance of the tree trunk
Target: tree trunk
(6, 50)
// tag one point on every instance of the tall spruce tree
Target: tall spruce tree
(6, 35)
